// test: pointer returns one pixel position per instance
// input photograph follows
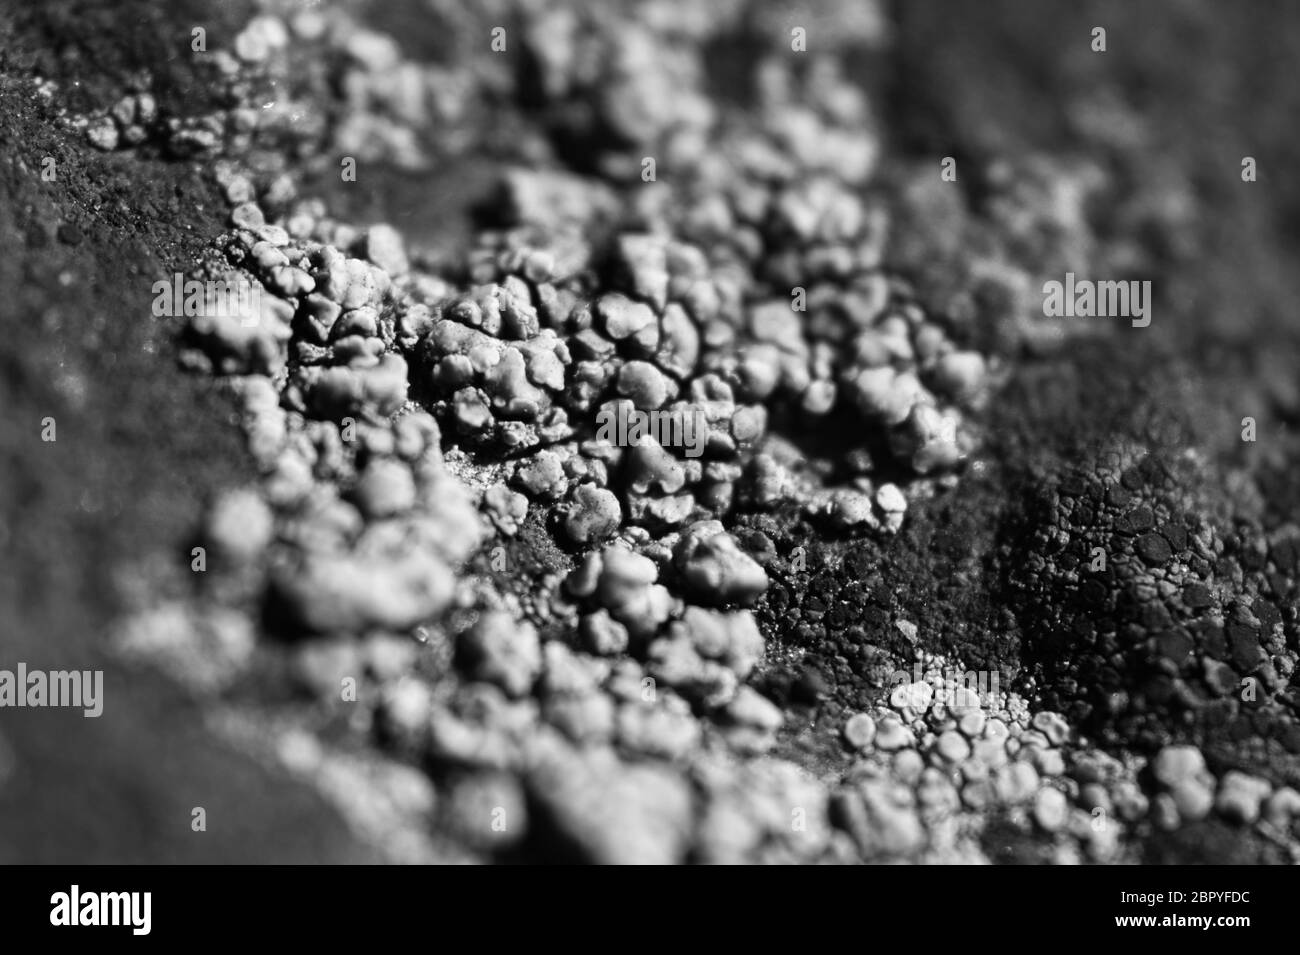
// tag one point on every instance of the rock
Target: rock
(1153, 549)
(1244, 643)
(1220, 677)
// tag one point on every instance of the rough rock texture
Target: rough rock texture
(742, 506)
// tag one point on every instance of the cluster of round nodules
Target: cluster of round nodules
(126, 124)
(606, 389)
(279, 70)
(701, 652)
(1188, 792)
(606, 372)
(942, 757)
(384, 106)
(136, 117)
(667, 381)
(826, 326)
(608, 748)
(358, 524)
(643, 403)
(368, 522)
